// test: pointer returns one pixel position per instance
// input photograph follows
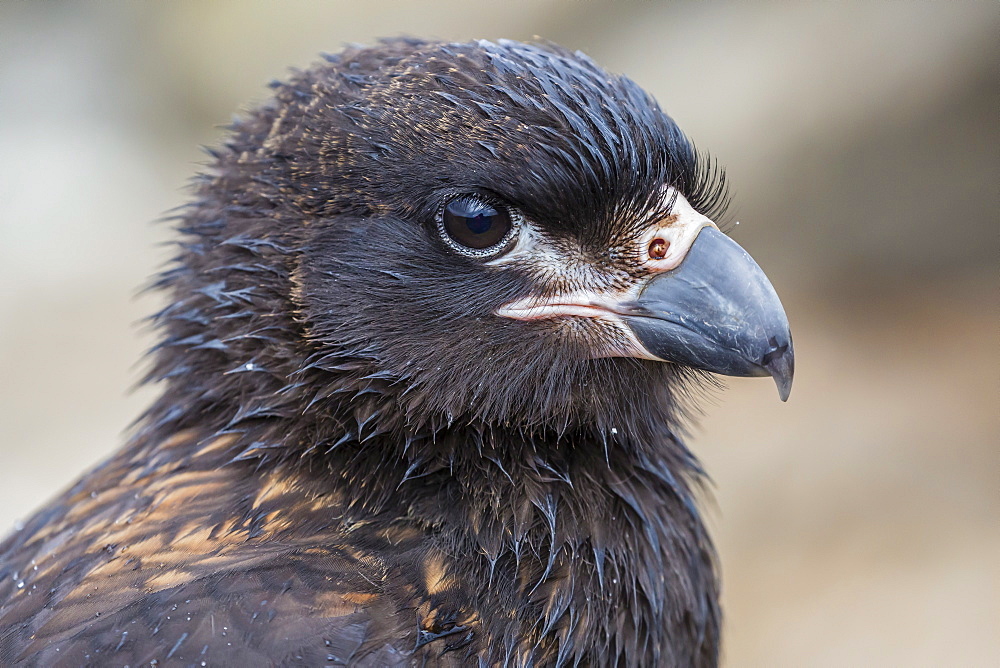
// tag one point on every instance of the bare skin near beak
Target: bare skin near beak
(706, 304)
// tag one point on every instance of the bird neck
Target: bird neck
(605, 531)
(574, 483)
(598, 525)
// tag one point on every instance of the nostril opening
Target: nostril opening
(776, 352)
(658, 248)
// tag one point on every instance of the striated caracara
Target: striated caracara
(436, 316)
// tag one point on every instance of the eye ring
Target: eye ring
(466, 221)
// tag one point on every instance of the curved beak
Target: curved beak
(716, 311)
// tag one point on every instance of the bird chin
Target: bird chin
(609, 336)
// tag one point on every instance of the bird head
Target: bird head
(497, 233)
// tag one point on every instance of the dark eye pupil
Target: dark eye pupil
(480, 223)
(474, 223)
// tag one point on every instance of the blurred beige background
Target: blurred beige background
(857, 524)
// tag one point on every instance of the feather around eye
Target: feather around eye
(477, 226)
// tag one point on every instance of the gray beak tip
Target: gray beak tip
(780, 363)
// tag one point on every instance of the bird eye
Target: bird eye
(476, 227)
